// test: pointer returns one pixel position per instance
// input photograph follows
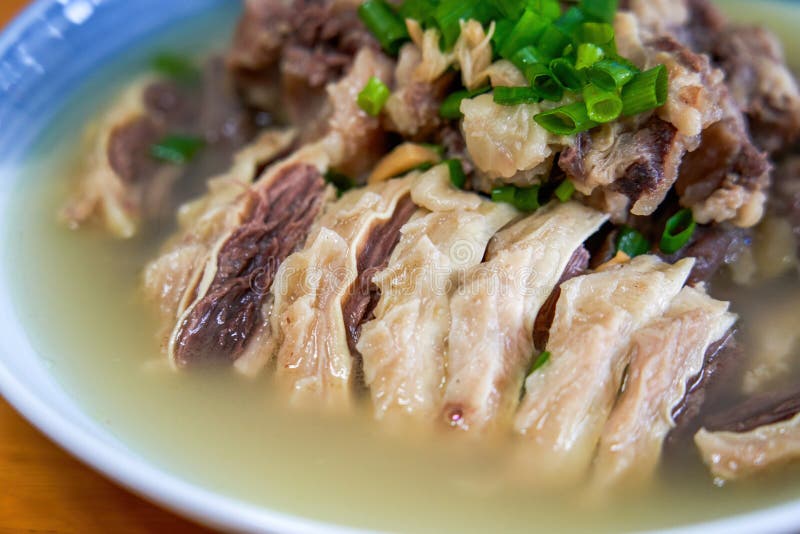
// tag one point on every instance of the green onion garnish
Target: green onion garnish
(419, 10)
(526, 32)
(449, 14)
(457, 176)
(543, 82)
(524, 199)
(539, 362)
(504, 194)
(177, 149)
(678, 231)
(598, 33)
(567, 76)
(514, 96)
(341, 182)
(565, 190)
(646, 91)
(176, 67)
(553, 42)
(384, 23)
(571, 21)
(632, 243)
(588, 55)
(601, 105)
(611, 75)
(374, 96)
(451, 107)
(600, 10)
(566, 120)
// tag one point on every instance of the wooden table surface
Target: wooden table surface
(43, 489)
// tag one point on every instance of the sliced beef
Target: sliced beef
(663, 356)
(567, 401)
(313, 359)
(286, 51)
(761, 410)
(359, 305)
(404, 346)
(577, 265)
(491, 345)
(761, 84)
(220, 323)
(707, 393)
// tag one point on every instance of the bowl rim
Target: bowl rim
(207, 507)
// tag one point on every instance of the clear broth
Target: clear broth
(78, 293)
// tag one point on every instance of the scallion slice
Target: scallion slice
(526, 32)
(571, 21)
(177, 149)
(588, 54)
(543, 82)
(566, 120)
(632, 243)
(176, 67)
(678, 231)
(601, 105)
(451, 107)
(610, 74)
(601, 10)
(599, 33)
(565, 73)
(553, 42)
(419, 10)
(514, 96)
(384, 23)
(457, 176)
(549, 8)
(565, 190)
(539, 362)
(527, 199)
(504, 194)
(646, 91)
(374, 96)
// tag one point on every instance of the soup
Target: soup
(240, 437)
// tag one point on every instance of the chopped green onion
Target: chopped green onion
(374, 96)
(646, 91)
(527, 199)
(502, 29)
(571, 21)
(567, 75)
(566, 120)
(543, 82)
(176, 67)
(553, 42)
(565, 190)
(504, 194)
(386, 25)
(588, 55)
(457, 176)
(598, 33)
(449, 14)
(341, 182)
(632, 243)
(539, 362)
(678, 231)
(514, 96)
(524, 199)
(549, 8)
(419, 10)
(177, 149)
(601, 105)
(611, 74)
(526, 32)
(451, 107)
(529, 55)
(601, 10)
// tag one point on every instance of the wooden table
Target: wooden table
(43, 489)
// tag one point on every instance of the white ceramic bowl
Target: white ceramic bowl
(43, 55)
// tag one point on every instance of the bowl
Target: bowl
(46, 54)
